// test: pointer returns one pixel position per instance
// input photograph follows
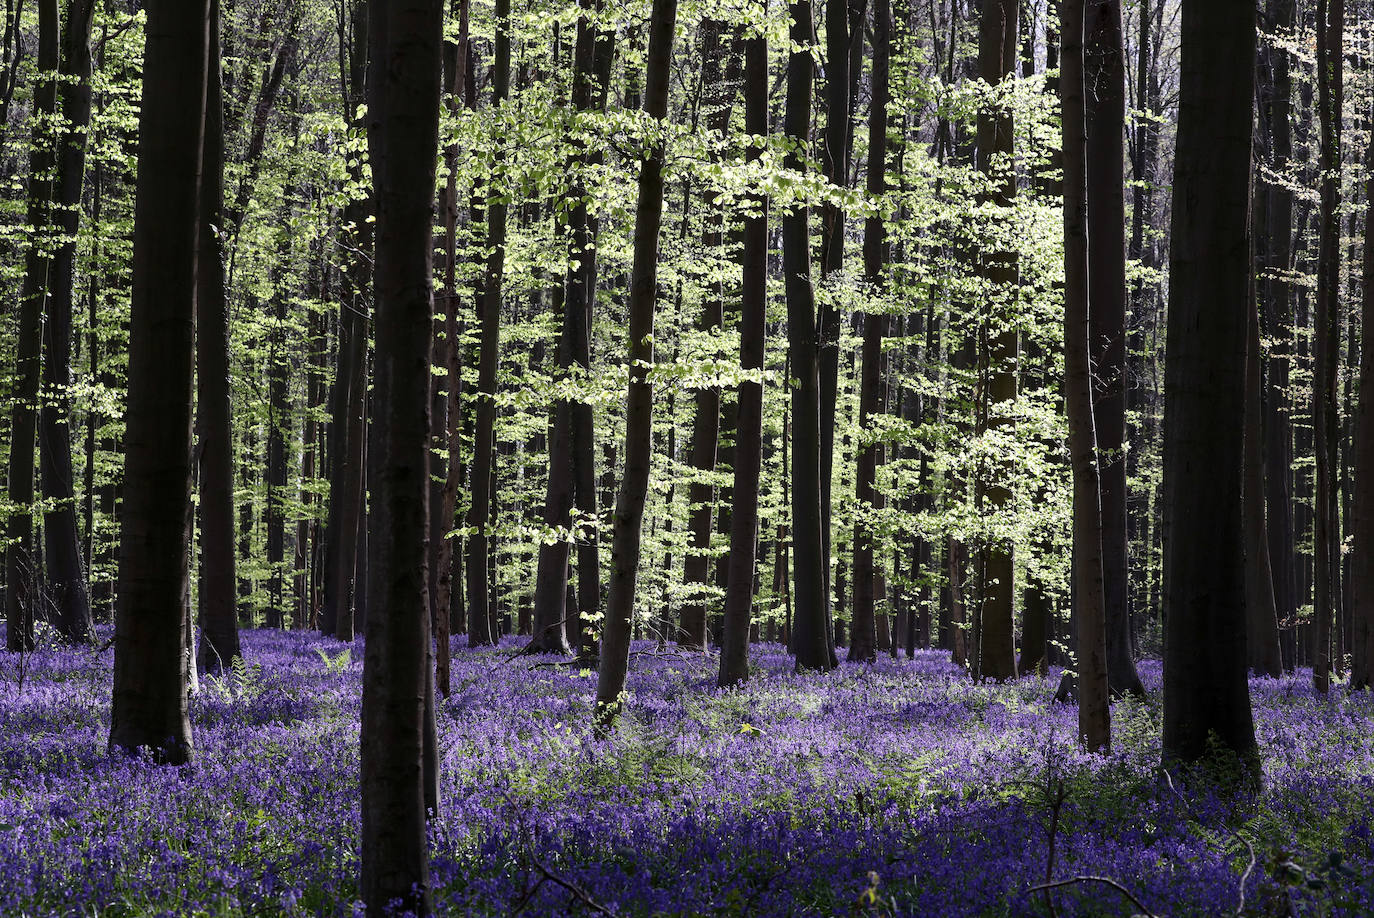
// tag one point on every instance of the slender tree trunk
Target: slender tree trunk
(1094, 712)
(1206, 693)
(151, 669)
(219, 618)
(1262, 632)
(480, 515)
(995, 649)
(753, 333)
(1326, 339)
(863, 641)
(1362, 504)
(810, 623)
(405, 41)
(23, 585)
(634, 482)
(1105, 72)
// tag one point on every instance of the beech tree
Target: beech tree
(405, 40)
(1206, 695)
(151, 667)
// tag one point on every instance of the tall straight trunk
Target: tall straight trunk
(344, 555)
(555, 624)
(753, 333)
(66, 578)
(843, 31)
(1326, 341)
(863, 641)
(219, 643)
(22, 577)
(1362, 504)
(1275, 250)
(441, 596)
(405, 39)
(1206, 693)
(1104, 52)
(1262, 632)
(719, 94)
(151, 668)
(634, 481)
(480, 516)
(995, 650)
(811, 636)
(1094, 712)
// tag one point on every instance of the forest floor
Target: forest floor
(893, 789)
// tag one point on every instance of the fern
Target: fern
(338, 665)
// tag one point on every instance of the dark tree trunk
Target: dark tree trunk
(744, 521)
(480, 515)
(863, 641)
(66, 579)
(1105, 72)
(556, 625)
(1206, 694)
(345, 558)
(1362, 503)
(1326, 337)
(23, 585)
(219, 643)
(1262, 632)
(404, 75)
(1275, 250)
(151, 667)
(995, 650)
(1094, 712)
(634, 481)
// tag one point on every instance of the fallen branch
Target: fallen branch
(1106, 881)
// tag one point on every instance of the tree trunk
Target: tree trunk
(405, 42)
(1094, 712)
(219, 643)
(1326, 339)
(480, 516)
(1105, 71)
(995, 650)
(150, 668)
(1262, 632)
(23, 584)
(634, 482)
(753, 333)
(1362, 504)
(863, 641)
(811, 615)
(1206, 693)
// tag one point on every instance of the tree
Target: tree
(639, 400)
(863, 641)
(214, 424)
(744, 521)
(995, 649)
(1094, 713)
(405, 39)
(1326, 338)
(151, 666)
(484, 442)
(1104, 51)
(22, 578)
(1362, 549)
(811, 617)
(1206, 693)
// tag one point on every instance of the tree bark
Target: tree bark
(1262, 633)
(634, 481)
(1206, 692)
(1326, 337)
(1105, 72)
(151, 668)
(480, 516)
(404, 76)
(863, 640)
(753, 333)
(1094, 712)
(219, 643)
(1362, 505)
